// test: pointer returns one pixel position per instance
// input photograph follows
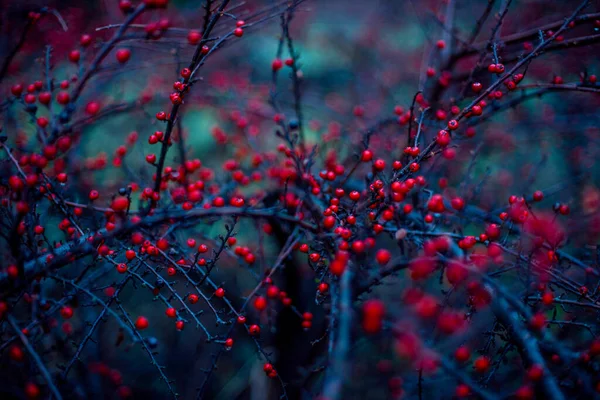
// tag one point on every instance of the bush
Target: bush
(299, 199)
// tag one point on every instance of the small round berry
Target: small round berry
(63, 97)
(85, 40)
(382, 256)
(443, 138)
(16, 90)
(74, 56)
(260, 303)
(120, 204)
(254, 330)
(92, 108)
(171, 312)
(277, 64)
(194, 37)
(453, 124)
(66, 312)
(379, 164)
(481, 364)
(123, 55)
(141, 323)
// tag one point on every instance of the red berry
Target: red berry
(125, 5)
(17, 90)
(171, 312)
(123, 55)
(66, 312)
(45, 98)
(383, 256)
(92, 108)
(120, 203)
(63, 98)
(481, 364)
(458, 203)
(323, 287)
(254, 330)
(277, 64)
(74, 56)
(85, 40)
(32, 391)
(443, 138)
(260, 303)
(141, 323)
(194, 37)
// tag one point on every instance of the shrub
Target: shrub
(300, 199)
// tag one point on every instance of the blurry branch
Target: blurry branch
(28, 25)
(448, 26)
(86, 245)
(13, 52)
(172, 116)
(96, 323)
(395, 266)
(481, 20)
(95, 299)
(456, 372)
(283, 254)
(534, 53)
(149, 351)
(575, 87)
(207, 13)
(295, 77)
(530, 33)
(341, 332)
(565, 44)
(106, 48)
(527, 344)
(112, 110)
(36, 358)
